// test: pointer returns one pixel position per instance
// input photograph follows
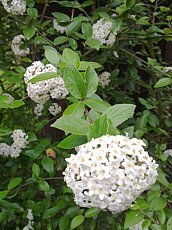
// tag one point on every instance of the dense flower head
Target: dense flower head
(168, 152)
(19, 142)
(168, 69)
(16, 44)
(14, 7)
(110, 172)
(41, 92)
(104, 79)
(55, 109)
(58, 28)
(102, 31)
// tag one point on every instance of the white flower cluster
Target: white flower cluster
(168, 69)
(55, 109)
(168, 152)
(41, 92)
(30, 218)
(110, 172)
(102, 31)
(19, 142)
(104, 79)
(14, 7)
(10, 98)
(58, 28)
(16, 46)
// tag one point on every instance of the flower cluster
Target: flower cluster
(110, 172)
(19, 142)
(102, 31)
(55, 109)
(30, 218)
(41, 92)
(17, 42)
(104, 79)
(168, 152)
(58, 28)
(14, 7)
(168, 69)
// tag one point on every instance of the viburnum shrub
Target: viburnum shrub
(85, 98)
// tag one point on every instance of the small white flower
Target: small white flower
(58, 28)
(110, 172)
(168, 152)
(168, 69)
(138, 226)
(5, 150)
(16, 46)
(14, 7)
(104, 79)
(30, 218)
(38, 109)
(55, 109)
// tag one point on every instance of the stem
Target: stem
(88, 116)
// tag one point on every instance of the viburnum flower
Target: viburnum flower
(14, 7)
(41, 92)
(17, 41)
(55, 109)
(102, 31)
(110, 172)
(104, 79)
(58, 28)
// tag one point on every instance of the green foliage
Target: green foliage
(136, 102)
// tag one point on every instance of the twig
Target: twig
(88, 116)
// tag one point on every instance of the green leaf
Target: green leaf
(4, 102)
(3, 216)
(132, 218)
(120, 113)
(93, 43)
(99, 127)
(130, 3)
(48, 164)
(51, 55)
(157, 203)
(64, 223)
(73, 43)
(61, 17)
(3, 194)
(169, 223)
(162, 178)
(143, 21)
(60, 40)
(163, 82)
(43, 76)
(77, 221)
(161, 216)
(85, 64)
(86, 29)
(155, 227)
(71, 58)
(60, 204)
(76, 109)
(5, 131)
(36, 170)
(29, 32)
(72, 124)
(91, 81)
(43, 185)
(97, 105)
(91, 212)
(16, 104)
(72, 141)
(11, 206)
(74, 82)
(14, 182)
(72, 27)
